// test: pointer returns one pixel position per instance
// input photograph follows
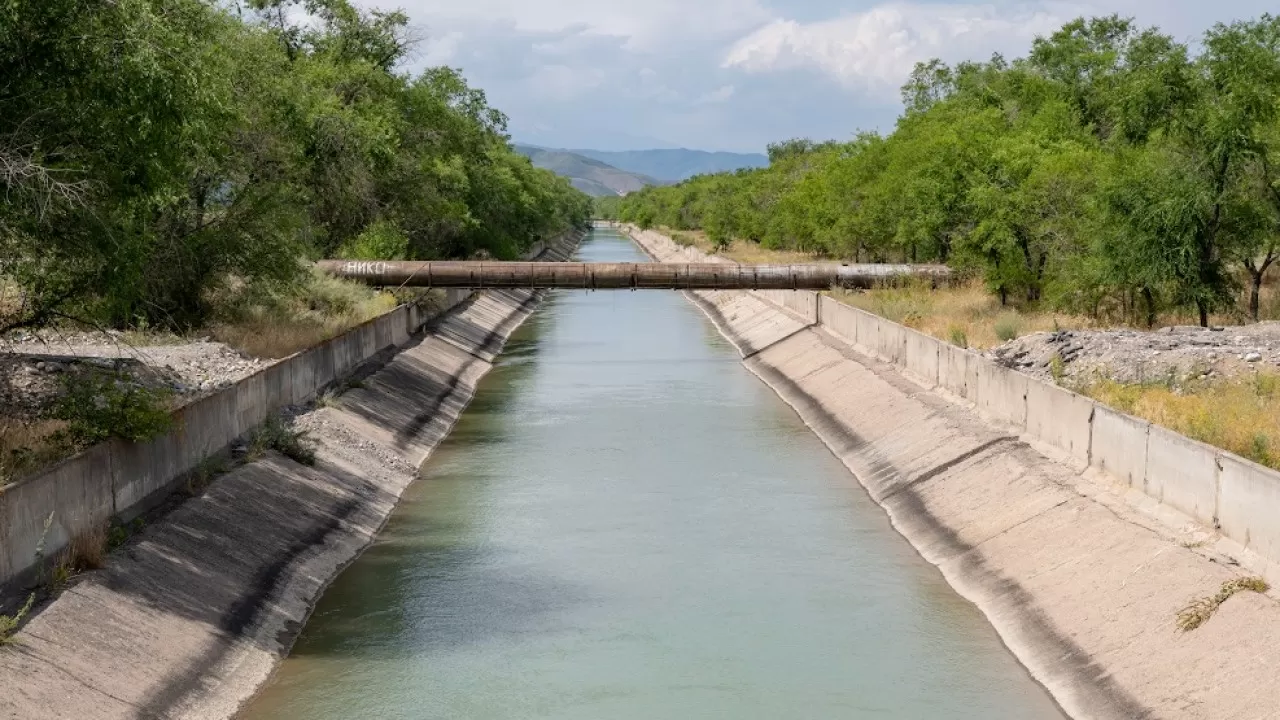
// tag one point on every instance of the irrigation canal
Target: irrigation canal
(627, 524)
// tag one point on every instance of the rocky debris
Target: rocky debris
(1133, 356)
(34, 367)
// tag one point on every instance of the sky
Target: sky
(735, 74)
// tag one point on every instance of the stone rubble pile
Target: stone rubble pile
(35, 367)
(1176, 354)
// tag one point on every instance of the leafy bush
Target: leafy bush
(102, 404)
(382, 240)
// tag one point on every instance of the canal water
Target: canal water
(626, 524)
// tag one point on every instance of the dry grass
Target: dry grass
(26, 447)
(278, 323)
(965, 315)
(1199, 611)
(10, 298)
(1241, 415)
(87, 550)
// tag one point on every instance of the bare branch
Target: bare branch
(20, 170)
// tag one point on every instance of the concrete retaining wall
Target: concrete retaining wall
(121, 480)
(1225, 492)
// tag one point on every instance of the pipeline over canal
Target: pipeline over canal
(626, 524)
(628, 275)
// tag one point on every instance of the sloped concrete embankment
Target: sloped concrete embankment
(1078, 531)
(190, 619)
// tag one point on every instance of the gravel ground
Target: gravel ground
(1134, 356)
(33, 367)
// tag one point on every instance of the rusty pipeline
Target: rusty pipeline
(621, 276)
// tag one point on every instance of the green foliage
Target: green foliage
(100, 405)
(382, 240)
(10, 623)
(154, 151)
(958, 337)
(1109, 172)
(276, 435)
(1057, 368)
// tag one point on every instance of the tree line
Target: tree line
(152, 151)
(1111, 171)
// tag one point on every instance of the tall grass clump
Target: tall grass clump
(279, 320)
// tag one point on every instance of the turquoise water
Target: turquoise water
(628, 524)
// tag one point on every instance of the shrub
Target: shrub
(98, 405)
(1057, 368)
(1008, 326)
(383, 240)
(958, 336)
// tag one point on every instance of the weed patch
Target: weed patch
(10, 623)
(276, 435)
(1008, 326)
(204, 473)
(1198, 612)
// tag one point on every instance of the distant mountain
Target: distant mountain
(672, 166)
(589, 175)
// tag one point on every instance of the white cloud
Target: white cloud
(718, 95)
(646, 25)
(876, 50)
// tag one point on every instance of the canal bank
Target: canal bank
(626, 524)
(191, 617)
(1083, 578)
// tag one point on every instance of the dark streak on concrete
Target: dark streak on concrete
(247, 610)
(492, 344)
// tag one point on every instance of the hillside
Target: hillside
(589, 175)
(671, 166)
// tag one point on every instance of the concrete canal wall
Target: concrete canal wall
(1079, 531)
(191, 617)
(120, 480)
